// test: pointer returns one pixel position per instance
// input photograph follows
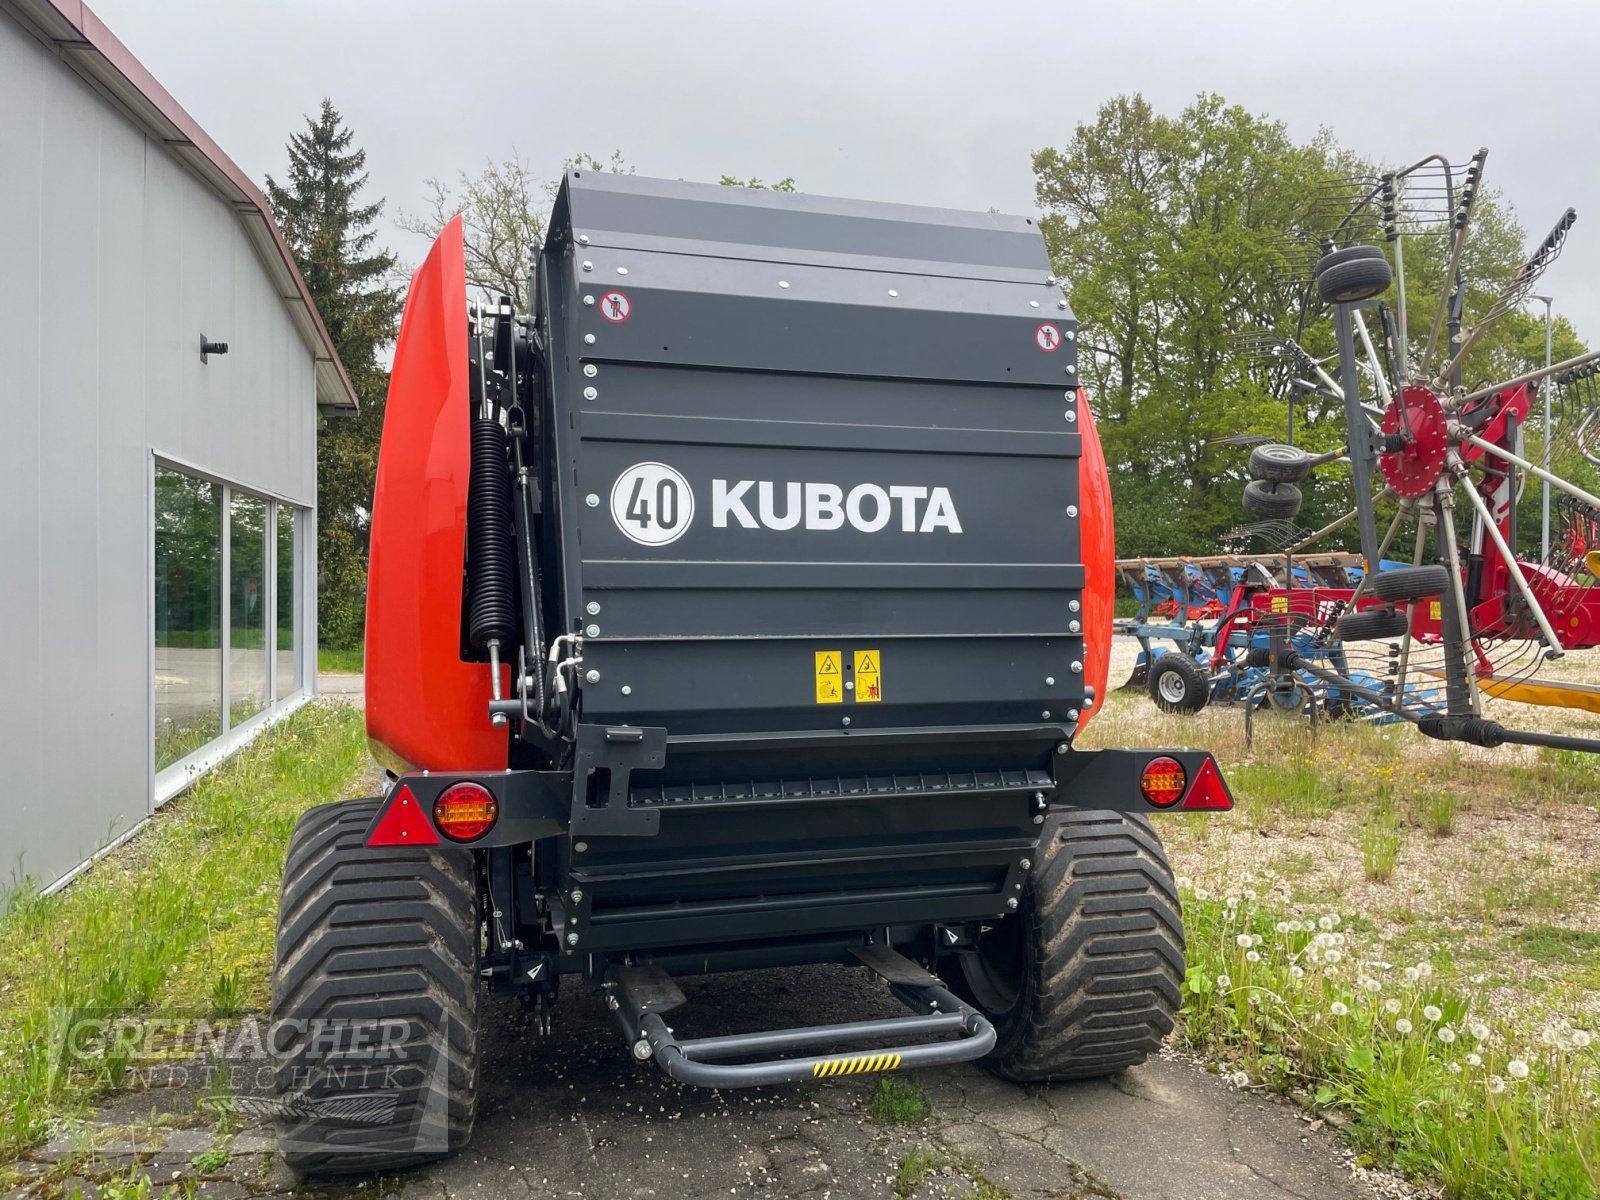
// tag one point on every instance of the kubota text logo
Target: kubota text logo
(867, 507)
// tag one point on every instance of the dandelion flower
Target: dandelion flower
(1324, 922)
(1202, 893)
(1391, 1006)
(1412, 975)
(1333, 956)
(1517, 1069)
(1372, 985)
(1232, 902)
(1242, 941)
(1296, 971)
(1474, 1060)
(1402, 1026)
(1581, 1039)
(1478, 1030)
(1224, 982)
(1240, 1079)
(1253, 956)
(1496, 1085)
(1424, 970)
(1446, 1034)
(1255, 999)
(1432, 1012)
(1256, 939)
(1339, 1009)
(1455, 1068)
(1282, 927)
(1185, 882)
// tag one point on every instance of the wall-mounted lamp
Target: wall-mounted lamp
(209, 348)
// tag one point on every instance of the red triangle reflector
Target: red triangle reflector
(402, 823)
(1207, 790)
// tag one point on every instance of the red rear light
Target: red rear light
(465, 812)
(1163, 781)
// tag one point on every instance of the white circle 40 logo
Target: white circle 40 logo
(652, 504)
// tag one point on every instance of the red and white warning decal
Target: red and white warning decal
(1048, 337)
(615, 307)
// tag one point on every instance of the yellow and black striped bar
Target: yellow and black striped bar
(859, 1064)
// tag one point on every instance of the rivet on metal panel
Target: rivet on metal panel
(590, 370)
(1071, 336)
(587, 265)
(1074, 626)
(592, 631)
(577, 895)
(1072, 715)
(1045, 715)
(1025, 864)
(588, 339)
(1074, 605)
(1033, 304)
(1061, 303)
(1071, 416)
(588, 299)
(849, 685)
(892, 292)
(592, 608)
(626, 690)
(783, 283)
(1011, 901)
(590, 393)
(1072, 510)
(1070, 396)
(593, 677)
(1049, 681)
(846, 721)
(622, 270)
(583, 239)
(1077, 668)
(1049, 278)
(592, 500)
(1064, 747)
(572, 939)
(581, 847)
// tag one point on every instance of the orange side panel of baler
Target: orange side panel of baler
(1097, 536)
(426, 709)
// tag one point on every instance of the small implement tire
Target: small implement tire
(1178, 684)
(1277, 463)
(1354, 280)
(386, 938)
(1271, 501)
(1371, 625)
(1403, 584)
(1335, 258)
(1084, 981)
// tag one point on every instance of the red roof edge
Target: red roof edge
(82, 41)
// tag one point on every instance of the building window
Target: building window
(188, 614)
(289, 677)
(228, 619)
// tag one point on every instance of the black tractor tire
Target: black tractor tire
(1084, 980)
(390, 937)
(1177, 683)
(1371, 625)
(1354, 280)
(1271, 501)
(1404, 584)
(1277, 463)
(1336, 258)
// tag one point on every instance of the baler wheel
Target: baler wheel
(1084, 981)
(383, 936)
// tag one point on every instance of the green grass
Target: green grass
(179, 920)
(1305, 1006)
(1552, 943)
(339, 660)
(916, 1166)
(898, 1102)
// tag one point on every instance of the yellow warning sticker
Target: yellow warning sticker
(1433, 611)
(830, 679)
(1280, 604)
(869, 677)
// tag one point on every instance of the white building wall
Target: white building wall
(113, 261)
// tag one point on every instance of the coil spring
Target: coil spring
(491, 554)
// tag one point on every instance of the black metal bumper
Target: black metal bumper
(640, 995)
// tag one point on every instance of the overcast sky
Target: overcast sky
(924, 101)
